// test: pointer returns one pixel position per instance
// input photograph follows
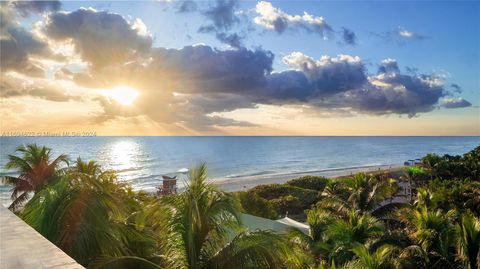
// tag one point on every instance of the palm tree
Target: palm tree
(468, 235)
(313, 249)
(91, 168)
(203, 231)
(362, 193)
(342, 235)
(430, 163)
(433, 234)
(201, 228)
(381, 258)
(85, 215)
(36, 169)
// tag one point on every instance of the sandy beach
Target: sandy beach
(245, 183)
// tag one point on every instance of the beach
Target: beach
(245, 183)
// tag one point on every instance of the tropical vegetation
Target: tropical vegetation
(424, 216)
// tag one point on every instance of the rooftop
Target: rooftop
(23, 247)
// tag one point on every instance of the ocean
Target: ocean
(143, 160)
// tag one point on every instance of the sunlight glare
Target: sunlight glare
(122, 94)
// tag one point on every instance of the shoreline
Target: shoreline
(246, 183)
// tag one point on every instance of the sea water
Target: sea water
(143, 160)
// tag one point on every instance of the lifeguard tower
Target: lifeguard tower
(169, 185)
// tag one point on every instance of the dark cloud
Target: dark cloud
(18, 45)
(390, 66)
(234, 39)
(204, 69)
(222, 16)
(16, 50)
(202, 80)
(456, 88)
(275, 19)
(27, 8)
(100, 37)
(286, 87)
(329, 75)
(187, 6)
(349, 37)
(391, 92)
(455, 103)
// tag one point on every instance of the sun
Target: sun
(122, 94)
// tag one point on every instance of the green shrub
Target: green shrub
(287, 204)
(287, 198)
(315, 183)
(255, 205)
(274, 191)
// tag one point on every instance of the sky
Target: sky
(230, 67)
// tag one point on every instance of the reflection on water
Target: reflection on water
(121, 154)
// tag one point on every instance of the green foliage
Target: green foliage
(315, 183)
(354, 221)
(454, 167)
(84, 213)
(361, 193)
(255, 205)
(381, 258)
(36, 170)
(130, 262)
(468, 244)
(285, 198)
(461, 195)
(202, 220)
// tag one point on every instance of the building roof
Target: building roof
(281, 225)
(23, 247)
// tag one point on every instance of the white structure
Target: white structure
(281, 225)
(23, 247)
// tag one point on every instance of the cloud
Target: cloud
(187, 6)
(185, 86)
(15, 86)
(275, 19)
(391, 92)
(455, 103)
(101, 38)
(27, 8)
(349, 37)
(456, 88)
(18, 45)
(234, 39)
(17, 49)
(400, 36)
(222, 14)
(223, 18)
(192, 87)
(405, 34)
(329, 75)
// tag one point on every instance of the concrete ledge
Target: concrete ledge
(23, 247)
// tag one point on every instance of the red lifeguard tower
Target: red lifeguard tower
(169, 185)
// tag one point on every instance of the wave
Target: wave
(259, 173)
(266, 174)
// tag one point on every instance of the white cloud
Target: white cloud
(273, 18)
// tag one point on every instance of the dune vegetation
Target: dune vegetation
(427, 217)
